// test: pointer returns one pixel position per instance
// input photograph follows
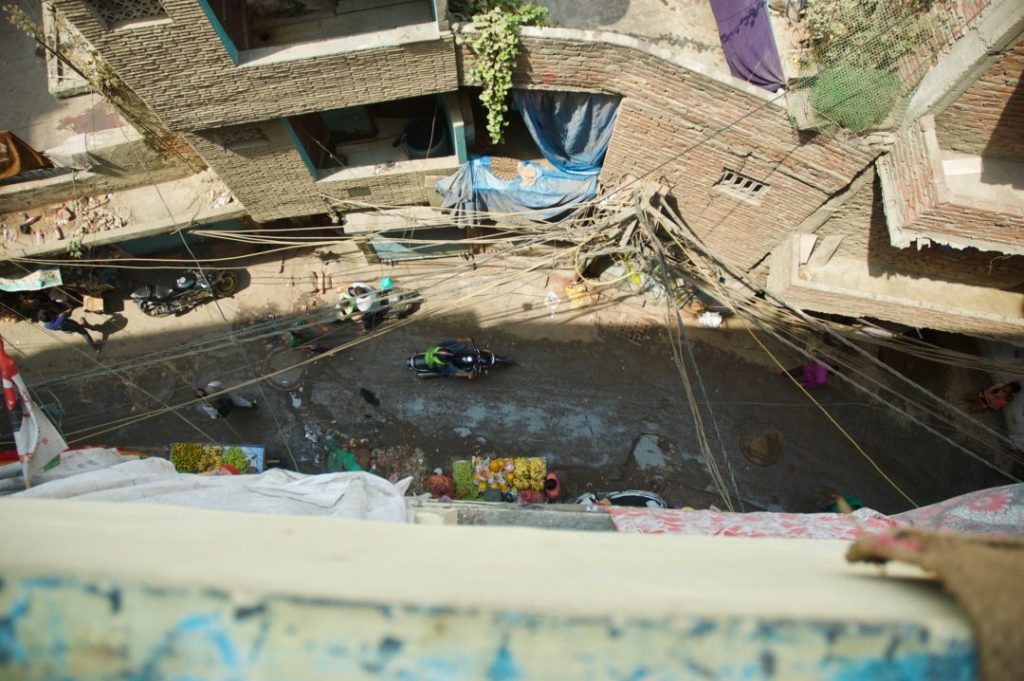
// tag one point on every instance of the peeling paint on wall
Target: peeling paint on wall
(57, 627)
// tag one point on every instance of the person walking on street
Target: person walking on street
(220, 406)
(64, 322)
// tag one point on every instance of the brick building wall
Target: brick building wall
(988, 119)
(677, 120)
(909, 168)
(964, 224)
(919, 205)
(183, 72)
(688, 126)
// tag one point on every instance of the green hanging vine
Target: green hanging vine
(496, 46)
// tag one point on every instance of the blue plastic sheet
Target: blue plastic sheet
(546, 197)
(571, 129)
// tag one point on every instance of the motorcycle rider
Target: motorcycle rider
(365, 304)
(441, 356)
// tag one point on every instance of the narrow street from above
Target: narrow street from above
(512, 340)
(593, 390)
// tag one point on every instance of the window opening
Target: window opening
(741, 186)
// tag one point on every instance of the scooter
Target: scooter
(190, 289)
(461, 358)
(372, 305)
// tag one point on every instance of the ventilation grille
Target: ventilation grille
(115, 12)
(741, 186)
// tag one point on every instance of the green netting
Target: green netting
(839, 94)
(867, 56)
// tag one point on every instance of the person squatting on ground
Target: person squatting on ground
(995, 397)
(222, 405)
(64, 322)
(441, 486)
(303, 336)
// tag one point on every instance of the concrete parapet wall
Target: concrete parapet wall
(849, 286)
(162, 592)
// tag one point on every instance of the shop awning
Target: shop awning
(33, 281)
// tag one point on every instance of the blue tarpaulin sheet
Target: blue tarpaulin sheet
(572, 131)
(748, 42)
(543, 197)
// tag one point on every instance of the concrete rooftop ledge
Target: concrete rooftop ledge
(665, 52)
(114, 159)
(112, 590)
(144, 211)
(847, 286)
(975, 52)
(961, 201)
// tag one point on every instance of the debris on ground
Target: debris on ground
(765, 449)
(395, 463)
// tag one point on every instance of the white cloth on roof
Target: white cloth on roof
(155, 481)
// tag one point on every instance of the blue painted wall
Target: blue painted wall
(57, 628)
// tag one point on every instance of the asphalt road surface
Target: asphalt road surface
(603, 404)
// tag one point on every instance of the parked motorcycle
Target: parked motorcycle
(190, 289)
(461, 358)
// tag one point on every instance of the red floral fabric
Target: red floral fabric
(721, 524)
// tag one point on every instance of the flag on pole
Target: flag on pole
(36, 438)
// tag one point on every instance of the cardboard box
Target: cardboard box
(93, 304)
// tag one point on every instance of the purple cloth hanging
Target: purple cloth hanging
(748, 42)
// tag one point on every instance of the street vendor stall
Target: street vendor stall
(498, 478)
(188, 457)
(24, 293)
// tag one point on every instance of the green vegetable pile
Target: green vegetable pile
(234, 456)
(196, 458)
(462, 473)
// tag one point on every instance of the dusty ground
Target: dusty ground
(595, 391)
